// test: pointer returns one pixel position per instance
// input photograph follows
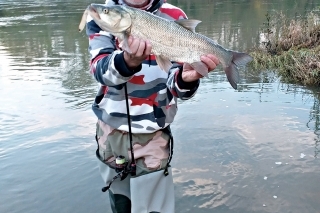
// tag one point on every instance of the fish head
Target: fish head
(113, 19)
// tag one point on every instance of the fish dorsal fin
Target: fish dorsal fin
(189, 24)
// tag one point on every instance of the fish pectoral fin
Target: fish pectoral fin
(200, 67)
(164, 63)
(189, 24)
(124, 45)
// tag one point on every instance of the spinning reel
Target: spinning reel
(120, 165)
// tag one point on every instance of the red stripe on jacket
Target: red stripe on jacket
(174, 12)
(149, 101)
(94, 61)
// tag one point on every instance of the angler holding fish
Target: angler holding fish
(145, 54)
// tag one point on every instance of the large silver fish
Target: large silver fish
(170, 40)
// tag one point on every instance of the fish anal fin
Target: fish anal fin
(200, 67)
(163, 62)
(189, 24)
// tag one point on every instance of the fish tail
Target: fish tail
(232, 70)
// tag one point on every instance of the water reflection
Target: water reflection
(314, 123)
(263, 136)
(48, 48)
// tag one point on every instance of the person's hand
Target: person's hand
(189, 74)
(139, 51)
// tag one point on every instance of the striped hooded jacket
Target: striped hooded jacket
(152, 92)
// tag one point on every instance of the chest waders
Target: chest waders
(120, 164)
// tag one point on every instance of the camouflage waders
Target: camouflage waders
(150, 190)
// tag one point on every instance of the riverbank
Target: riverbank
(291, 48)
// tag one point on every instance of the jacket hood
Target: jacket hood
(156, 4)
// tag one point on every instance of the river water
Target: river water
(249, 150)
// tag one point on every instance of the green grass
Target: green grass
(292, 47)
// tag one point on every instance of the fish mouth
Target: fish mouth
(94, 12)
(92, 8)
(108, 21)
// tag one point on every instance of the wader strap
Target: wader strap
(97, 151)
(167, 130)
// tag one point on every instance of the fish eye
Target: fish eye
(105, 11)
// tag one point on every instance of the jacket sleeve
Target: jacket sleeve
(107, 63)
(179, 88)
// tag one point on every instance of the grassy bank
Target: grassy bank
(291, 47)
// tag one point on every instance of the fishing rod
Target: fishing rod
(121, 164)
(133, 166)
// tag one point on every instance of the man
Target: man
(152, 96)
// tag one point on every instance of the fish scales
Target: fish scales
(170, 40)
